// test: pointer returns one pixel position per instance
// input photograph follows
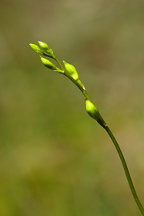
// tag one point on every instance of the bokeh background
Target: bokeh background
(54, 159)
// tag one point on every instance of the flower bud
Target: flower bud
(48, 63)
(43, 45)
(35, 48)
(51, 53)
(70, 70)
(94, 113)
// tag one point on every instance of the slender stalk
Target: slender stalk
(91, 110)
(59, 63)
(119, 151)
(127, 173)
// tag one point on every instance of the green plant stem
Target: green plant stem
(119, 151)
(59, 63)
(121, 156)
(100, 120)
(127, 173)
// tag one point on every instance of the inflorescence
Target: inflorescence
(70, 72)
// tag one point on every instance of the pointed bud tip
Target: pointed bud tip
(90, 107)
(32, 45)
(44, 60)
(70, 70)
(48, 63)
(35, 48)
(43, 45)
(94, 113)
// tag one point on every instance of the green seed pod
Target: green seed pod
(70, 70)
(48, 63)
(35, 48)
(43, 45)
(94, 113)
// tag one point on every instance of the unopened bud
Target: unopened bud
(43, 45)
(35, 48)
(48, 63)
(51, 53)
(94, 113)
(70, 70)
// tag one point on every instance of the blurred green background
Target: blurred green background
(54, 159)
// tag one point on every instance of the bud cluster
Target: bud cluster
(43, 49)
(69, 71)
(66, 68)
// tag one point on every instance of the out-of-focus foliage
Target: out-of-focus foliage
(54, 160)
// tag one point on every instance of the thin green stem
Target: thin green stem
(118, 149)
(59, 63)
(127, 173)
(79, 84)
(94, 113)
